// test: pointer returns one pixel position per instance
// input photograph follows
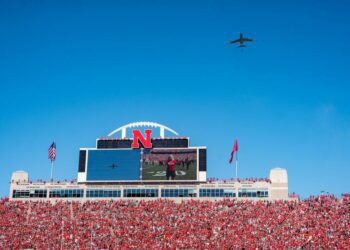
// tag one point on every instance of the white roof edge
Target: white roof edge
(143, 124)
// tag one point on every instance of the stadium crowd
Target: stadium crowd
(251, 179)
(316, 223)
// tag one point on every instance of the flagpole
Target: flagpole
(52, 157)
(234, 150)
(51, 170)
(236, 166)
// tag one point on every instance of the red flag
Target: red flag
(235, 149)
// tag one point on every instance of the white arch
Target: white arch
(143, 124)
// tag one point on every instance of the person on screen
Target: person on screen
(187, 162)
(170, 169)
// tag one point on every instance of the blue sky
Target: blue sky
(72, 71)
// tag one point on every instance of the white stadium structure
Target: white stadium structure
(138, 168)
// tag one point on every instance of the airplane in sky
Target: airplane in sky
(241, 41)
(113, 166)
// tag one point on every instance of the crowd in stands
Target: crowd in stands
(250, 179)
(40, 181)
(294, 195)
(316, 223)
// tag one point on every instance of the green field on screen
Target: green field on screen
(158, 172)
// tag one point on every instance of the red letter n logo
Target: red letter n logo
(146, 142)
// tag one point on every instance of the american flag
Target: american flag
(52, 152)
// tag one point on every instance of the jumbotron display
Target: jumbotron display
(110, 165)
(169, 164)
(142, 157)
(141, 164)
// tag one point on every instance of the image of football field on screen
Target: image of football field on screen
(156, 166)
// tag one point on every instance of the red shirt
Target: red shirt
(171, 165)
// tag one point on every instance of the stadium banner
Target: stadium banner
(169, 164)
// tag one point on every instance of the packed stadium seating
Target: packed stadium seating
(316, 223)
(251, 179)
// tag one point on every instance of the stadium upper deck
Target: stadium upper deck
(147, 167)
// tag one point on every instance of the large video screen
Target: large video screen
(141, 165)
(169, 164)
(113, 165)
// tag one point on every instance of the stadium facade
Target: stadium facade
(146, 167)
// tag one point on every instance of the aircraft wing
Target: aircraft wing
(234, 41)
(112, 165)
(248, 40)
